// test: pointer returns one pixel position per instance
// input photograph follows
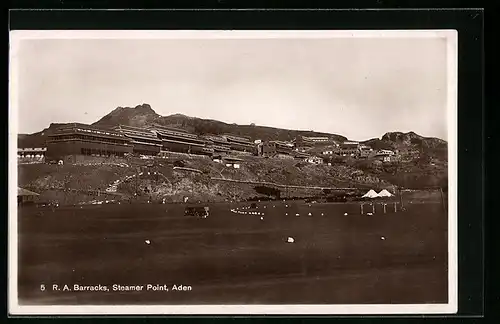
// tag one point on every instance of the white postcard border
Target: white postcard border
(17, 36)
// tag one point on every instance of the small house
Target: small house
(314, 160)
(232, 162)
(26, 197)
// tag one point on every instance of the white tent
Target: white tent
(384, 193)
(371, 194)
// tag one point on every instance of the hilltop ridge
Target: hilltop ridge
(143, 114)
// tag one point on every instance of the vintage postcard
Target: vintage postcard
(233, 172)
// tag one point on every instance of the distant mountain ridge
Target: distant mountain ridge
(143, 114)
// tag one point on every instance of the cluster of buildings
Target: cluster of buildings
(31, 153)
(74, 142)
(343, 149)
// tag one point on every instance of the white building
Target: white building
(314, 160)
(385, 152)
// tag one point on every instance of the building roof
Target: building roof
(215, 138)
(31, 149)
(237, 137)
(131, 131)
(83, 128)
(230, 158)
(167, 128)
(25, 192)
(142, 137)
(72, 126)
(282, 143)
(221, 148)
(315, 137)
(183, 142)
(146, 143)
(170, 132)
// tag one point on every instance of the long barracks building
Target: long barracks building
(310, 141)
(283, 147)
(177, 140)
(74, 141)
(239, 143)
(143, 141)
(219, 144)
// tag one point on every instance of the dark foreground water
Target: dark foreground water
(233, 258)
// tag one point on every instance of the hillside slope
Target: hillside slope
(174, 184)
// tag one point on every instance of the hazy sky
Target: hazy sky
(359, 88)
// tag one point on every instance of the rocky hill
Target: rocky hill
(137, 116)
(411, 142)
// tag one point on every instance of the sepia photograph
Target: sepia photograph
(233, 172)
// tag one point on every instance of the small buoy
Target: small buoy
(297, 215)
(322, 214)
(274, 206)
(309, 214)
(345, 214)
(290, 240)
(286, 206)
(286, 214)
(382, 238)
(262, 218)
(147, 241)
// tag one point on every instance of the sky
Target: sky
(360, 88)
